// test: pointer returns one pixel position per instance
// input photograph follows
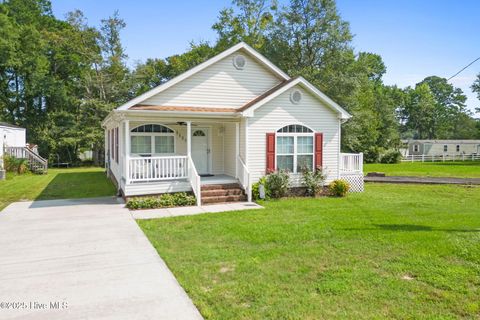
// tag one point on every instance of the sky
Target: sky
(415, 38)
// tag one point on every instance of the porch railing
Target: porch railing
(441, 157)
(244, 177)
(157, 168)
(351, 163)
(194, 179)
(36, 163)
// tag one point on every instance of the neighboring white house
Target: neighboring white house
(228, 120)
(10, 136)
(443, 147)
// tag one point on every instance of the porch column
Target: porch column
(127, 151)
(237, 147)
(189, 139)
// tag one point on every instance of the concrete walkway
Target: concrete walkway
(423, 180)
(83, 259)
(186, 211)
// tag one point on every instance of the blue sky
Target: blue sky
(415, 38)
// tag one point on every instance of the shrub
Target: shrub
(277, 183)
(256, 189)
(391, 156)
(313, 181)
(166, 200)
(339, 188)
(15, 165)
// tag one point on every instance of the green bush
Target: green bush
(256, 189)
(339, 188)
(15, 165)
(166, 200)
(277, 183)
(313, 181)
(391, 156)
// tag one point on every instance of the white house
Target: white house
(225, 122)
(10, 136)
(443, 147)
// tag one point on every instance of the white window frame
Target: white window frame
(152, 140)
(295, 136)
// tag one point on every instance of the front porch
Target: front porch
(174, 154)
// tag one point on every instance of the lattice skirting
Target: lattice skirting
(355, 181)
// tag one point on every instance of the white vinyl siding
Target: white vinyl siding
(219, 85)
(229, 143)
(281, 112)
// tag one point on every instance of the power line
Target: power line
(468, 65)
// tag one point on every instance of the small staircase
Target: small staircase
(221, 193)
(36, 163)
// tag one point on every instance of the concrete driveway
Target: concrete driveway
(83, 259)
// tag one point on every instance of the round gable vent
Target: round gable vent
(296, 96)
(239, 62)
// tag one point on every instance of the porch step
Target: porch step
(220, 186)
(219, 193)
(222, 199)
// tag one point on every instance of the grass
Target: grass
(467, 169)
(57, 184)
(394, 251)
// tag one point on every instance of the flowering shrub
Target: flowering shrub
(339, 188)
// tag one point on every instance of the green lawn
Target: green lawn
(466, 169)
(57, 184)
(394, 251)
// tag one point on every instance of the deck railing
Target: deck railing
(244, 177)
(35, 162)
(157, 168)
(351, 163)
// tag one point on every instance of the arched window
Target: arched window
(198, 133)
(294, 150)
(150, 139)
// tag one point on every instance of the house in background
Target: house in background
(13, 142)
(443, 147)
(221, 126)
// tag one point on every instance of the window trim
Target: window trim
(295, 154)
(153, 152)
(445, 148)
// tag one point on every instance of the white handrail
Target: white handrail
(194, 180)
(35, 160)
(244, 177)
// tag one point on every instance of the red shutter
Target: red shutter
(270, 152)
(318, 150)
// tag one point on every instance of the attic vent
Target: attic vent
(239, 62)
(296, 96)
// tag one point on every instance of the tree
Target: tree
(249, 23)
(476, 88)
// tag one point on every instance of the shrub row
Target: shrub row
(276, 184)
(166, 200)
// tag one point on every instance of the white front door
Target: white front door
(200, 150)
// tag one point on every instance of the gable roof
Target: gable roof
(250, 107)
(8, 125)
(202, 66)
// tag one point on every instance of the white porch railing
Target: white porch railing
(244, 177)
(35, 161)
(194, 179)
(351, 163)
(157, 168)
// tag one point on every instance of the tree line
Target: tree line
(60, 78)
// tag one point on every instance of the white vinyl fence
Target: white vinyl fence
(441, 157)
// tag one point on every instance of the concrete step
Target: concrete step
(221, 192)
(222, 199)
(220, 186)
